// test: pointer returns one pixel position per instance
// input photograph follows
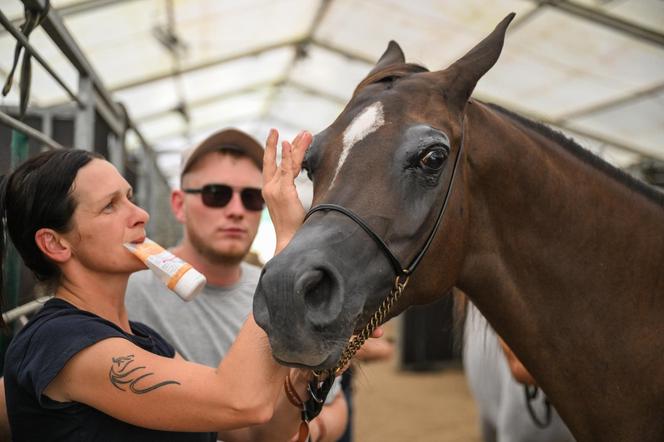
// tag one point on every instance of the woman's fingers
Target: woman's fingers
(286, 165)
(279, 191)
(270, 155)
(292, 154)
(297, 138)
(300, 146)
(378, 332)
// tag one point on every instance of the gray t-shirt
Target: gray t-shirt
(203, 329)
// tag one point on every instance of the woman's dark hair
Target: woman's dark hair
(38, 194)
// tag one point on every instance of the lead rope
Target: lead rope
(323, 380)
(356, 341)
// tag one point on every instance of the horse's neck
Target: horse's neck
(566, 263)
(555, 223)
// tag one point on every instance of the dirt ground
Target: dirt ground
(392, 405)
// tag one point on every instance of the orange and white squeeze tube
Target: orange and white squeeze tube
(178, 275)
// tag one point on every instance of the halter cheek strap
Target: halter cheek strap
(398, 268)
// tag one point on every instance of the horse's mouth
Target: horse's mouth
(329, 362)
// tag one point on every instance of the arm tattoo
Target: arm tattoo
(122, 374)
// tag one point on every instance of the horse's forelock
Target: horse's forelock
(394, 71)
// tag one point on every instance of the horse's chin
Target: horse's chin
(327, 363)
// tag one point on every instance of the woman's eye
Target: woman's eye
(433, 159)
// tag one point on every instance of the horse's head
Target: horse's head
(389, 160)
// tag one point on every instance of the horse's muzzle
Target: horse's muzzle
(299, 307)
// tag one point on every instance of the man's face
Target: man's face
(220, 234)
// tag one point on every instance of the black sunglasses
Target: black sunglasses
(219, 195)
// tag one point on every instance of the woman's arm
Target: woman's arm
(147, 390)
(284, 422)
(519, 371)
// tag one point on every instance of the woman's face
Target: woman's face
(105, 218)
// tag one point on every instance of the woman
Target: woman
(80, 370)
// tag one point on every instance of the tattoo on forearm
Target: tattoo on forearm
(122, 373)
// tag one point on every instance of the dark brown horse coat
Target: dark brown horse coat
(562, 253)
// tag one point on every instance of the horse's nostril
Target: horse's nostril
(320, 293)
(315, 286)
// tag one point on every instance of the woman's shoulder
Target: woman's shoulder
(59, 314)
(61, 327)
(51, 338)
(250, 272)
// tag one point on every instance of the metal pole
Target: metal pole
(12, 289)
(116, 152)
(25, 309)
(85, 116)
(28, 47)
(47, 124)
(27, 130)
(19, 152)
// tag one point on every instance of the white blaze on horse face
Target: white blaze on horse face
(364, 123)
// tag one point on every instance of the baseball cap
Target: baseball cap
(229, 139)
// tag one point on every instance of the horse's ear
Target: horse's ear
(462, 76)
(392, 55)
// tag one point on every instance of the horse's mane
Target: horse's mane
(572, 146)
(391, 73)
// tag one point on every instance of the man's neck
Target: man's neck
(217, 274)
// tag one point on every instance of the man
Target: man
(496, 379)
(219, 204)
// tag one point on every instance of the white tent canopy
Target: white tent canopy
(594, 68)
(184, 68)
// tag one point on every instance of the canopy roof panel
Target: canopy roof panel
(593, 68)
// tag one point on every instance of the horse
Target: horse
(416, 182)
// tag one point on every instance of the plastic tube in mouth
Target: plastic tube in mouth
(175, 273)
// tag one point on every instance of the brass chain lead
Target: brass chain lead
(356, 341)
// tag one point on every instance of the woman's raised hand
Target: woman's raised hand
(283, 203)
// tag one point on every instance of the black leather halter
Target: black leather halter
(318, 389)
(399, 269)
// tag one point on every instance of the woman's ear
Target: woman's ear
(53, 245)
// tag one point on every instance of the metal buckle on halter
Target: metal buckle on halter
(317, 393)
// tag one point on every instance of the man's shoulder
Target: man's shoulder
(142, 283)
(250, 272)
(142, 277)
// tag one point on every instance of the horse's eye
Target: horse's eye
(433, 159)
